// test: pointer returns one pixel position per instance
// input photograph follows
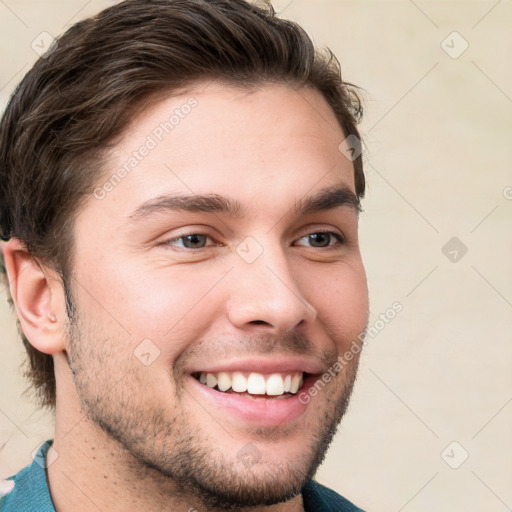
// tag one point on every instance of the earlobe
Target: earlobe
(37, 296)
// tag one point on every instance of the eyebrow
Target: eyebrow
(326, 199)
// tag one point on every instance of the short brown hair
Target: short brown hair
(74, 103)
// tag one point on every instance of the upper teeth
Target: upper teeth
(254, 383)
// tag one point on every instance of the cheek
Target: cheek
(341, 300)
(171, 305)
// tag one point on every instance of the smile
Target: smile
(253, 383)
(236, 393)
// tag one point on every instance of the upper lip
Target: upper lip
(260, 364)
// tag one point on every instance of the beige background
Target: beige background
(438, 159)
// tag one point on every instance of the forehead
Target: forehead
(272, 143)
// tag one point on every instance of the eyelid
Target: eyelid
(322, 228)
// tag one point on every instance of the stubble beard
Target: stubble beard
(172, 449)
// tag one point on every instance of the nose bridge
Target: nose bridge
(266, 289)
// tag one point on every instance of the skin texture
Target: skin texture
(131, 436)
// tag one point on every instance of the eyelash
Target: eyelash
(337, 236)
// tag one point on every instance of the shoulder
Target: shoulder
(30, 492)
(318, 498)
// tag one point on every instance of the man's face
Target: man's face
(167, 298)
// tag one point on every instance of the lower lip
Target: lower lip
(270, 412)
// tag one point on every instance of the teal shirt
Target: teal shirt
(31, 493)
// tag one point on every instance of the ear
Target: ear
(38, 298)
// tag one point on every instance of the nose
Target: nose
(265, 293)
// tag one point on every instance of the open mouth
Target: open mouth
(254, 385)
(268, 398)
